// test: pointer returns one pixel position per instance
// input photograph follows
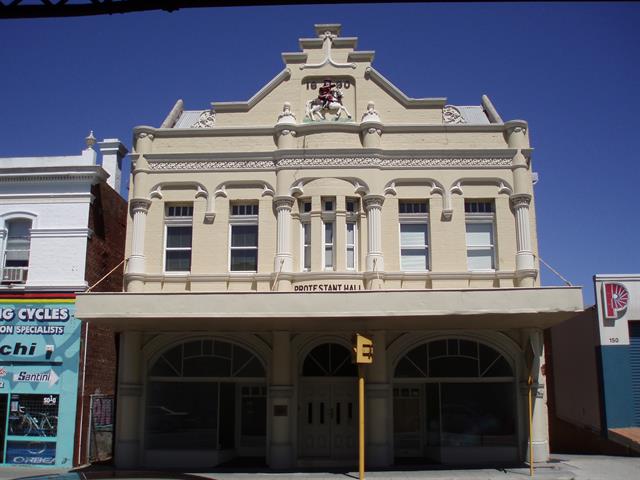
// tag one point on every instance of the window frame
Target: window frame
(6, 241)
(413, 219)
(305, 249)
(483, 218)
(353, 245)
(243, 220)
(332, 245)
(177, 221)
(304, 207)
(328, 217)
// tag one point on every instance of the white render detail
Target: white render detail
(113, 152)
(54, 195)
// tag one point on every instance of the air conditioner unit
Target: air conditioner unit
(14, 274)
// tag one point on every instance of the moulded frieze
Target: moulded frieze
(331, 161)
(212, 165)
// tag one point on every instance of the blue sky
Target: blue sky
(570, 70)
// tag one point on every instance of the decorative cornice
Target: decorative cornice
(60, 232)
(297, 277)
(249, 104)
(395, 92)
(91, 173)
(311, 128)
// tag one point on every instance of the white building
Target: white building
(61, 230)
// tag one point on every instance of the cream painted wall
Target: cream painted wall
(239, 160)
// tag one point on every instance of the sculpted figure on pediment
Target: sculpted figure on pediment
(329, 100)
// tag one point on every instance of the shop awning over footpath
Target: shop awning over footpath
(332, 311)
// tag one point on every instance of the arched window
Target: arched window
(329, 360)
(207, 358)
(16, 255)
(453, 358)
(206, 394)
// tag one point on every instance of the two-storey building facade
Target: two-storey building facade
(62, 226)
(264, 234)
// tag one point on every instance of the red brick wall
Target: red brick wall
(105, 250)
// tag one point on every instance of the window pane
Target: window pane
(328, 232)
(413, 234)
(178, 261)
(244, 236)
(351, 258)
(351, 233)
(306, 229)
(244, 260)
(307, 257)
(479, 234)
(178, 237)
(16, 255)
(328, 257)
(480, 259)
(18, 228)
(413, 259)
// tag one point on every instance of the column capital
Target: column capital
(519, 200)
(516, 126)
(139, 205)
(284, 201)
(373, 201)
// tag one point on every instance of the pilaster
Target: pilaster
(281, 403)
(374, 259)
(139, 207)
(283, 261)
(129, 411)
(525, 266)
(539, 417)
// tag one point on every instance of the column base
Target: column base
(540, 452)
(281, 456)
(127, 454)
(378, 456)
(283, 263)
(375, 263)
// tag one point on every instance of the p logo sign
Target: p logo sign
(615, 299)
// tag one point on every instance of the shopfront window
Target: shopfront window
(194, 393)
(453, 393)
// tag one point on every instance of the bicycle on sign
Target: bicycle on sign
(26, 424)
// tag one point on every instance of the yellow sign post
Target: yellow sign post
(363, 350)
(530, 385)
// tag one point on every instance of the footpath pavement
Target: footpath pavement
(562, 467)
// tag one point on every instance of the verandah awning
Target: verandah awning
(323, 311)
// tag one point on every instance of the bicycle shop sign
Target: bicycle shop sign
(33, 320)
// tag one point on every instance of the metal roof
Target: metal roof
(188, 118)
(474, 115)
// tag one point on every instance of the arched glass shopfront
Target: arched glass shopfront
(206, 396)
(455, 402)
